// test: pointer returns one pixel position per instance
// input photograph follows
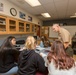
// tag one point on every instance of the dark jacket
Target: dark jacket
(30, 62)
(7, 60)
(69, 51)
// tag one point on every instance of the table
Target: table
(43, 52)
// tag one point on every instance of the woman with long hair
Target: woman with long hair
(30, 62)
(45, 42)
(59, 63)
(8, 54)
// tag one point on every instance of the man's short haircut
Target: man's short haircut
(56, 24)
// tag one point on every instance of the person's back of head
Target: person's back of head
(30, 43)
(42, 38)
(62, 60)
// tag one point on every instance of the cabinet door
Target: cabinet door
(28, 28)
(33, 28)
(3, 23)
(37, 30)
(12, 25)
(21, 27)
(45, 31)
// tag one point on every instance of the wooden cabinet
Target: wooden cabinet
(33, 28)
(9, 25)
(3, 25)
(45, 31)
(12, 25)
(29, 27)
(42, 30)
(21, 26)
(37, 30)
(36, 26)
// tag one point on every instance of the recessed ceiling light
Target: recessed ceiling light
(33, 3)
(46, 15)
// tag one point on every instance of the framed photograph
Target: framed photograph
(29, 18)
(1, 7)
(22, 15)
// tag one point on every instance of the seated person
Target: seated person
(30, 62)
(59, 63)
(45, 42)
(8, 54)
(42, 42)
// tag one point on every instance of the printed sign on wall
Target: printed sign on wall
(1, 6)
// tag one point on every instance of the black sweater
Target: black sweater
(7, 60)
(30, 62)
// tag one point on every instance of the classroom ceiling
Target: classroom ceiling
(58, 9)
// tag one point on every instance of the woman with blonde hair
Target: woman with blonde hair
(30, 62)
(59, 63)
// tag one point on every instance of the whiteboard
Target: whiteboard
(71, 29)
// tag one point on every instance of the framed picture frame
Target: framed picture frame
(29, 18)
(22, 15)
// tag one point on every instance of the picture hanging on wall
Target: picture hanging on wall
(29, 18)
(22, 15)
(1, 6)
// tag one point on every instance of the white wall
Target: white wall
(8, 5)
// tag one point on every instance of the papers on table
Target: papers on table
(43, 55)
(40, 48)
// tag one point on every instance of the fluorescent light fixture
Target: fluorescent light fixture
(73, 16)
(46, 15)
(33, 3)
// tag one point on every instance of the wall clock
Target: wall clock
(13, 11)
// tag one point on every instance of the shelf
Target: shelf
(27, 27)
(21, 26)
(10, 25)
(3, 22)
(12, 29)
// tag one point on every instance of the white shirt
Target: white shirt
(55, 71)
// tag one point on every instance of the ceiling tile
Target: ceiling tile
(71, 7)
(61, 8)
(58, 9)
(45, 1)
